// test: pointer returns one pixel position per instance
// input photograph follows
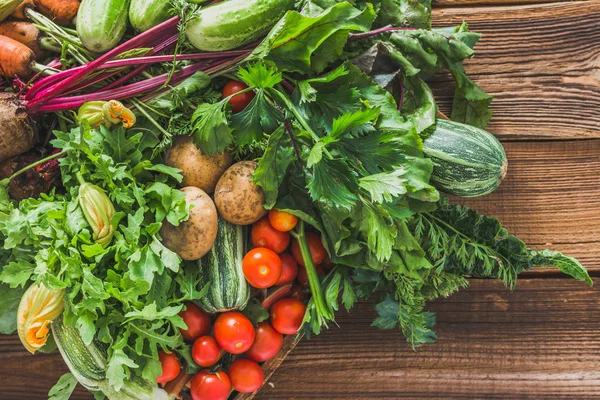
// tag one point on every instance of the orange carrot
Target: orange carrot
(61, 12)
(19, 13)
(15, 58)
(23, 32)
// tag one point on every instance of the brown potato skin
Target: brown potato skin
(193, 238)
(200, 170)
(237, 198)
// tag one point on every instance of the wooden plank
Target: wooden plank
(470, 3)
(550, 197)
(539, 342)
(541, 64)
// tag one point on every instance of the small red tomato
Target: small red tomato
(205, 386)
(234, 332)
(282, 221)
(298, 292)
(170, 367)
(303, 277)
(264, 235)
(246, 375)
(197, 320)
(287, 315)
(289, 269)
(240, 101)
(205, 351)
(315, 246)
(267, 343)
(262, 267)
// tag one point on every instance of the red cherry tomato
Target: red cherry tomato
(170, 367)
(205, 386)
(315, 246)
(287, 315)
(267, 343)
(303, 277)
(282, 221)
(289, 269)
(298, 292)
(264, 235)
(240, 101)
(197, 320)
(234, 332)
(262, 267)
(246, 375)
(205, 351)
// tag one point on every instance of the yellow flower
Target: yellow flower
(39, 306)
(98, 211)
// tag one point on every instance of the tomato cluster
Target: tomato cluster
(274, 263)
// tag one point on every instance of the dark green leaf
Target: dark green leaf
(211, 132)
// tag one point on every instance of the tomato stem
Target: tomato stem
(311, 273)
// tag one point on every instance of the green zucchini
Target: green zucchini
(222, 267)
(146, 14)
(234, 23)
(467, 161)
(102, 23)
(88, 363)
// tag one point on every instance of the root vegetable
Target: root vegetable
(16, 59)
(237, 198)
(16, 134)
(19, 12)
(25, 33)
(61, 12)
(193, 238)
(7, 7)
(200, 170)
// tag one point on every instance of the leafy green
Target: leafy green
(9, 302)
(309, 43)
(63, 388)
(211, 131)
(128, 294)
(566, 264)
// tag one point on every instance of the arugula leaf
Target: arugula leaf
(63, 389)
(211, 132)
(9, 302)
(305, 44)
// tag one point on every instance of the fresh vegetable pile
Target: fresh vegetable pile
(184, 184)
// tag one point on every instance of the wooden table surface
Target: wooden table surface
(541, 61)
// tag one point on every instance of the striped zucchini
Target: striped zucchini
(102, 23)
(467, 161)
(234, 23)
(146, 14)
(88, 364)
(222, 267)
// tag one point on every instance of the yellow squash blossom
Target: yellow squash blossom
(39, 306)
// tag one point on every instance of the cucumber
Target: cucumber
(467, 161)
(146, 14)
(234, 23)
(102, 23)
(222, 267)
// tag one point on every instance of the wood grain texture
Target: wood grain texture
(469, 3)
(539, 342)
(542, 64)
(550, 197)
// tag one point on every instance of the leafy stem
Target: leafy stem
(323, 312)
(30, 166)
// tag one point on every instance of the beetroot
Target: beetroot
(16, 133)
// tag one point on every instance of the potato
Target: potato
(238, 199)
(195, 237)
(202, 171)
